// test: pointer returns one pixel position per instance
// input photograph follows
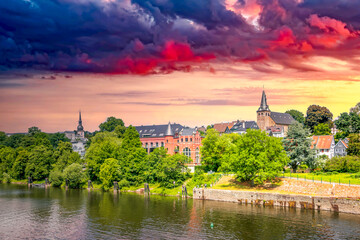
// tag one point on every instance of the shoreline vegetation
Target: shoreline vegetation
(228, 182)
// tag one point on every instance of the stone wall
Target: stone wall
(345, 205)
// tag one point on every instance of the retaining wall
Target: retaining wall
(345, 205)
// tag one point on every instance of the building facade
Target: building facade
(176, 138)
(269, 121)
(324, 145)
(340, 148)
(77, 138)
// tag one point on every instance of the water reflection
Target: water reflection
(78, 214)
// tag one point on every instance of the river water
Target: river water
(39, 213)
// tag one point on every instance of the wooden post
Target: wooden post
(90, 185)
(30, 181)
(184, 191)
(116, 186)
(66, 184)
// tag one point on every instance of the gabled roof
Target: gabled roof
(341, 142)
(221, 127)
(157, 130)
(282, 118)
(322, 142)
(244, 125)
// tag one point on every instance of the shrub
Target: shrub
(6, 177)
(343, 164)
(56, 178)
(124, 183)
(75, 175)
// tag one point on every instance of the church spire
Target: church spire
(80, 126)
(263, 104)
(169, 131)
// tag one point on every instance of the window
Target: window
(186, 139)
(190, 139)
(182, 140)
(187, 152)
(157, 144)
(197, 155)
(162, 144)
(151, 144)
(167, 141)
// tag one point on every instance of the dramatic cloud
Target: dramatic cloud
(152, 36)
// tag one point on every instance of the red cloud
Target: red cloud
(174, 56)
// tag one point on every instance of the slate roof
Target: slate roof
(157, 130)
(282, 118)
(239, 126)
(188, 131)
(322, 142)
(341, 142)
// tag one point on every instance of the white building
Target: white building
(324, 145)
(77, 138)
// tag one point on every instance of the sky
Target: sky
(190, 62)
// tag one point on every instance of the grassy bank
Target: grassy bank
(344, 178)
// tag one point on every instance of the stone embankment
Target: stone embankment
(335, 204)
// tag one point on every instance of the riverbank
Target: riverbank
(268, 199)
(289, 193)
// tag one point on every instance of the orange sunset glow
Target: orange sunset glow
(192, 63)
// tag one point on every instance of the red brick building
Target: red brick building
(176, 138)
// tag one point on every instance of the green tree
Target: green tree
(32, 131)
(354, 145)
(348, 123)
(132, 157)
(7, 159)
(119, 131)
(172, 169)
(216, 148)
(65, 156)
(14, 140)
(297, 115)
(75, 175)
(257, 158)
(356, 109)
(3, 138)
(56, 178)
(322, 129)
(103, 145)
(40, 163)
(316, 114)
(110, 124)
(19, 166)
(56, 138)
(297, 145)
(109, 172)
(154, 160)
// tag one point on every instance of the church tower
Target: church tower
(80, 128)
(169, 139)
(263, 113)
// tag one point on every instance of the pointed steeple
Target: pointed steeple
(263, 104)
(169, 131)
(80, 126)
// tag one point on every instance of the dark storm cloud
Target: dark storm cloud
(152, 36)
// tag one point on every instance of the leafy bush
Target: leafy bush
(75, 175)
(56, 178)
(124, 183)
(356, 175)
(6, 177)
(343, 164)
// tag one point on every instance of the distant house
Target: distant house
(224, 127)
(324, 145)
(276, 131)
(240, 127)
(340, 148)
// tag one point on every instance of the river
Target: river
(39, 213)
